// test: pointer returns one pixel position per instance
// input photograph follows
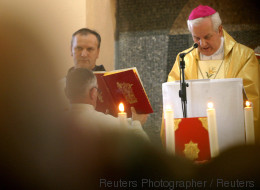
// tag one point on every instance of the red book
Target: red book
(122, 86)
(192, 138)
(105, 102)
(257, 55)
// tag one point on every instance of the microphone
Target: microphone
(183, 84)
(195, 45)
(182, 55)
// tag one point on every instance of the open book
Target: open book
(121, 86)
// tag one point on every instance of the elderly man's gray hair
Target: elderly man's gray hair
(79, 81)
(216, 21)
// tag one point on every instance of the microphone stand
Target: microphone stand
(183, 84)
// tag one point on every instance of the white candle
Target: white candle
(249, 124)
(212, 128)
(122, 116)
(170, 133)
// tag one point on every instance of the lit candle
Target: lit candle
(212, 128)
(249, 123)
(122, 115)
(170, 133)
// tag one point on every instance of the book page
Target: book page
(118, 71)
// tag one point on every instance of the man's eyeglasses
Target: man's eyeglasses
(98, 90)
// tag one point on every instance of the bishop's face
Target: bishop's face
(206, 37)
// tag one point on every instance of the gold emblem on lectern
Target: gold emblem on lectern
(176, 123)
(191, 150)
(127, 91)
(204, 121)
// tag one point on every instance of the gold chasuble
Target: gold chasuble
(239, 62)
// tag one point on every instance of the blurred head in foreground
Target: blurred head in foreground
(28, 105)
(236, 167)
(40, 149)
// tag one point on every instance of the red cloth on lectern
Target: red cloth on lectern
(192, 130)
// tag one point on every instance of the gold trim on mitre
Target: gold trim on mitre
(191, 150)
(176, 123)
(204, 122)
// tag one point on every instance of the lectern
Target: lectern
(227, 96)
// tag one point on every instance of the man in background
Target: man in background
(85, 47)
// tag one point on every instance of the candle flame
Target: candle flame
(248, 104)
(121, 107)
(210, 105)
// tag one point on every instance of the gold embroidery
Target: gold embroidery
(100, 97)
(191, 150)
(176, 123)
(212, 71)
(127, 91)
(204, 122)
